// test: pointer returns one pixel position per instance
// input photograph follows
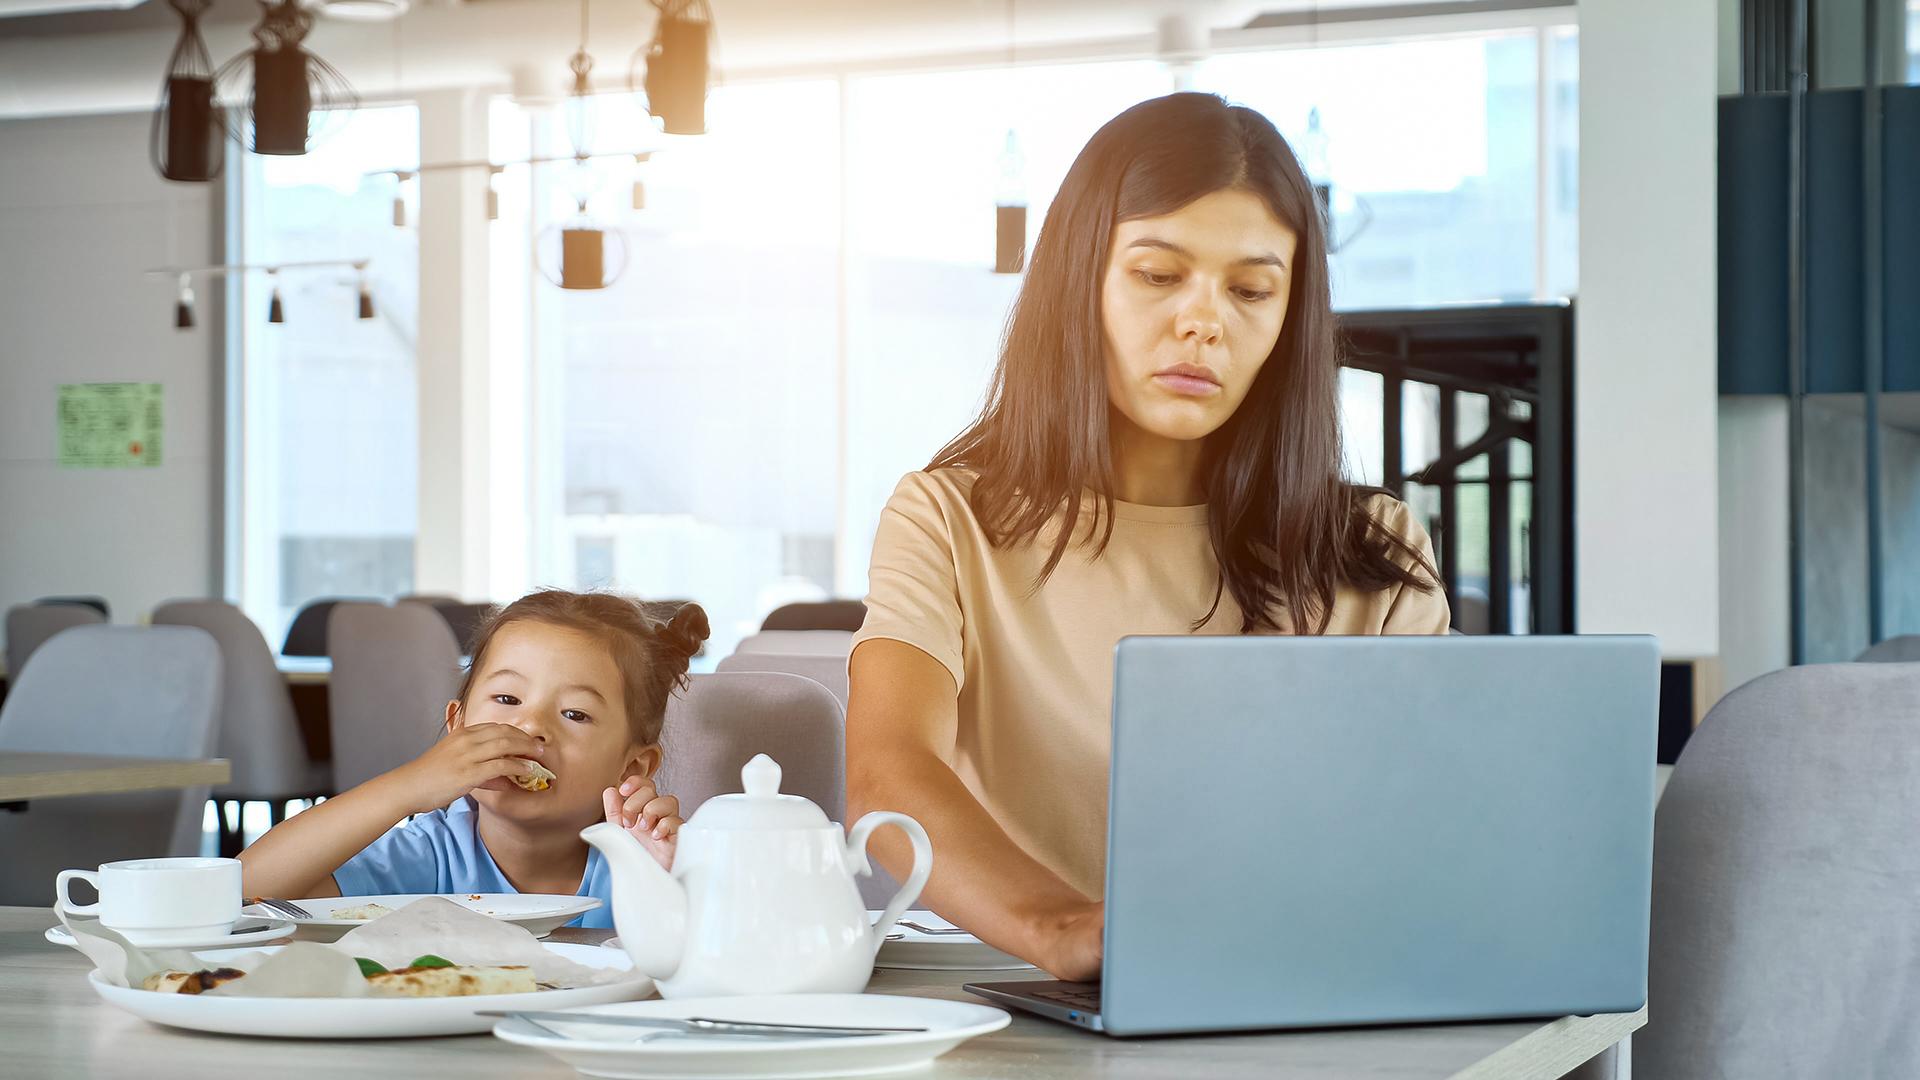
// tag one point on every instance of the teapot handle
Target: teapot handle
(922, 865)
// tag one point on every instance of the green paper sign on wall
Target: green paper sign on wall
(109, 425)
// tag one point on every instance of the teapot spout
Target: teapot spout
(649, 906)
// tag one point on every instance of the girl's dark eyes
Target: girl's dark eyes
(1251, 296)
(576, 716)
(506, 699)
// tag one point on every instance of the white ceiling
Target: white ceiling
(101, 61)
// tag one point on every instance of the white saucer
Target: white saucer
(274, 930)
(602, 1050)
(908, 949)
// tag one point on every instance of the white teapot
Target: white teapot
(761, 898)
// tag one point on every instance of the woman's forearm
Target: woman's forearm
(298, 856)
(981, 879)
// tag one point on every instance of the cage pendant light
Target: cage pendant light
(677, 66)
(188, 137)
(293, 98)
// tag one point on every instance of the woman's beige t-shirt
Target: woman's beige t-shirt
(1035, 668)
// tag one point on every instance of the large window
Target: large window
(328, 428)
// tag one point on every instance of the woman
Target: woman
(1159, 454)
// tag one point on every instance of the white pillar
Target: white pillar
(1646, 384)
(451, 549)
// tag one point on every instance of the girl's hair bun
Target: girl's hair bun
(686, 629)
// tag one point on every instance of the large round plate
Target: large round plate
(364, 1018)
(600, 1050)
(541, 914)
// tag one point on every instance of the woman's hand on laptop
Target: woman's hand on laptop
(1075, 938)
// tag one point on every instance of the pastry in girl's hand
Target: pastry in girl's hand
(537, 778)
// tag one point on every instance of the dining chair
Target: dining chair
(1786, 884)
(820, 615)
(307, 634)
(1904, 649)
(798, 642)
(97, 603)
(462, 618)
(30, 626)
(828, 671)
(125, 691)
(258, 731)
(394, 670)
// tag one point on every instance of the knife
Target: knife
(704, 1024)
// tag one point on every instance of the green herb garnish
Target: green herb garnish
(368, 967)
(430, 961)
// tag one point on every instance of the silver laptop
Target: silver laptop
(1371, 830)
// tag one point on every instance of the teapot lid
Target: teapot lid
(761, 805)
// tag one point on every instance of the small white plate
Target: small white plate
(364, 1018)
(541, 914)
(255, 934)
(916, 951)
(601, 1050)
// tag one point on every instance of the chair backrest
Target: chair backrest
(828, 671)
(29, 626)
(1904, 649)
(462, 618)
(258, 731)
(394, 669)
(112, 690)
(307, 634)
(97, 603)
(798, 642)
(1786, 884)
(822, 615)
(716, 726)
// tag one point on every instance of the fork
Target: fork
(935, 930)
(285, 907)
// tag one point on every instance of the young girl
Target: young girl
(568, 685)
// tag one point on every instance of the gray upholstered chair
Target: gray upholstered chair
(97, 603)
(821, 615)
(828, 671)
(29, 626)
(799, 643)
(1904, 649)
(462, 618)
(1786, 884)
(307, 634)
(121, 690)
(258, 731)
(394, 669)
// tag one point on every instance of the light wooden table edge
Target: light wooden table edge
(118, 779)
(1557, 1048)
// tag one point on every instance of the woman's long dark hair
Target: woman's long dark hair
(1287, 530)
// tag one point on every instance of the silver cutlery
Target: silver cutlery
(936, 930)
(705, 1025)
(285, 907)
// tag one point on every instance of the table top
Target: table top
(46, 776)
(305, 670)
(54, 1025)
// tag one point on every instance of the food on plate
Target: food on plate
(190, 982)
(362, 911)
(427, 976)
(538, 778)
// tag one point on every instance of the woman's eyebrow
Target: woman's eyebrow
(1266, 258)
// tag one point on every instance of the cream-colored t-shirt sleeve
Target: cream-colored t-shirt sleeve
(1411, 610)
(913, 594)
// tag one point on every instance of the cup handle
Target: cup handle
(63, 905)
(917, 880)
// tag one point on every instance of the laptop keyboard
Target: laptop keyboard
(1084, 1000)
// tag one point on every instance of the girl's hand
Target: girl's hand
(477, 755)
(652, 818)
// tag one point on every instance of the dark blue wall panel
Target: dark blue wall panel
(1753, 244)
(1835, 315)
(1901, 107)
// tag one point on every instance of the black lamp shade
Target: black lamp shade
(583, 260)
(1009, 239)
(282, 101)
(366, 304)
(677, 75)
(192, 133)
(275, 312)
(182, 315)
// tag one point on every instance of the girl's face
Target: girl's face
(1192, 303)
(563, 688)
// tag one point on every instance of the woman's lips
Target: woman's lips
(1186, 385)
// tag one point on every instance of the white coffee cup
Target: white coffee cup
(159, 901)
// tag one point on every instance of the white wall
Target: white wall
(82, 213)
(1645, 395)
(1755, 617)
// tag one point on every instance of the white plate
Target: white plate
(599, 1050)
(941, 952)
(541, 914)
(258, 935)
(364, 1018)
